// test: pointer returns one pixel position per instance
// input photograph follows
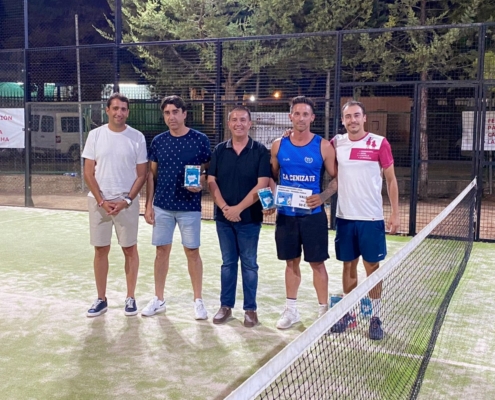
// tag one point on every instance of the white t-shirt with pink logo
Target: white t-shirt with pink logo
(360, 176)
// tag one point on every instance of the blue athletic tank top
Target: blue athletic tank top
(302, 167)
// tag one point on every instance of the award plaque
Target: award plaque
(266, 198)
(192, 176)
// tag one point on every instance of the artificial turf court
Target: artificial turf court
(51, 350)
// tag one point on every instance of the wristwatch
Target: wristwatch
(128, 200)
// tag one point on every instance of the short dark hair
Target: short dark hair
(351, 103)
(175, 100)
(302, 100)
(117, 96)
(240, 108)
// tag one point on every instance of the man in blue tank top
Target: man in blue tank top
(300, 160)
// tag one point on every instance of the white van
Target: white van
(56, 133)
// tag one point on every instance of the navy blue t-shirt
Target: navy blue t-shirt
(172, 155)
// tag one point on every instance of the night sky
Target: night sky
(51, 22)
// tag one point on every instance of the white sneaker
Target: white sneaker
(322, 309)
(289, 317)
(155, 306)
(200, 310)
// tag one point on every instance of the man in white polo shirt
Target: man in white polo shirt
(363, 158)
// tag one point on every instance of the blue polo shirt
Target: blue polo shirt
(236, 175)
(172, 155)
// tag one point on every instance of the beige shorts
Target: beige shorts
(125, 222)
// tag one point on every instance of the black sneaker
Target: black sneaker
(130, 306)
(99, 307)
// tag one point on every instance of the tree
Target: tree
(176, 67)
(426, 54)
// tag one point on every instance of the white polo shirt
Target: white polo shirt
(360, 166)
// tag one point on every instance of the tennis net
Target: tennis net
(417, 285)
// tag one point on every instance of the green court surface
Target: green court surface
(51, 350)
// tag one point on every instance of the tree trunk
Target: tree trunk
(423, 140)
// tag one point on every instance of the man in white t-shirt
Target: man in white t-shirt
(115, 170)
(362, 159)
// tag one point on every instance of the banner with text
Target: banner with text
(12, 128)
(467, 130)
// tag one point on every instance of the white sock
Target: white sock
(377, 305)
(291, 303)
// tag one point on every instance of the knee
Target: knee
(319, 267)
(130, 251)
(102, 251)
(192, 254)
(371, 267)
(163, 251)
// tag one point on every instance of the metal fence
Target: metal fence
(437, 109)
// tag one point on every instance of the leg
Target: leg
(161, 269)
(376, 292)
(349, 275)
(190, 229)
(163, 234)
(227, 238)
(100, 265)
(195, 268)
(247, 239)
(320, 281)
(292, 277)
(131, 268)
(100, 236)
(314, 233)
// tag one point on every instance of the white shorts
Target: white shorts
(125, 222)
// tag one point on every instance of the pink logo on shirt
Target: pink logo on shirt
(365, 154)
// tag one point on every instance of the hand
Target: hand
(270, 211)
(149, 215)
(232, 213)
(116, 206)
(393, 224)
(287, 133)
(194, 189)
(314, 201)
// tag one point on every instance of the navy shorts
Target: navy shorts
(360, 238)
(308, 233)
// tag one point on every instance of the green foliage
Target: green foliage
(176, 66)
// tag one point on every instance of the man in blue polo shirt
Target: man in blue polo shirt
(239, 167)
(169, 203)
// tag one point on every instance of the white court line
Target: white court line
(463, 364)
(432, 359)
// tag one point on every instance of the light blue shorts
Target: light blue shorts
(189, 226)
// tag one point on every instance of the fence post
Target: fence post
(118, 41)
(218, 93)
(28, 199)
(479, 127)
(413, 184)
(336, 114)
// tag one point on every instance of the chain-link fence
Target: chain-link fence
(429, 90)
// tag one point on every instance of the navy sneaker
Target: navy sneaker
(130, 307)
(376, 331)
(99, 307)
(343, 323)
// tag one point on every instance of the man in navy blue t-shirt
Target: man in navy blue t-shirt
(169, 202)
